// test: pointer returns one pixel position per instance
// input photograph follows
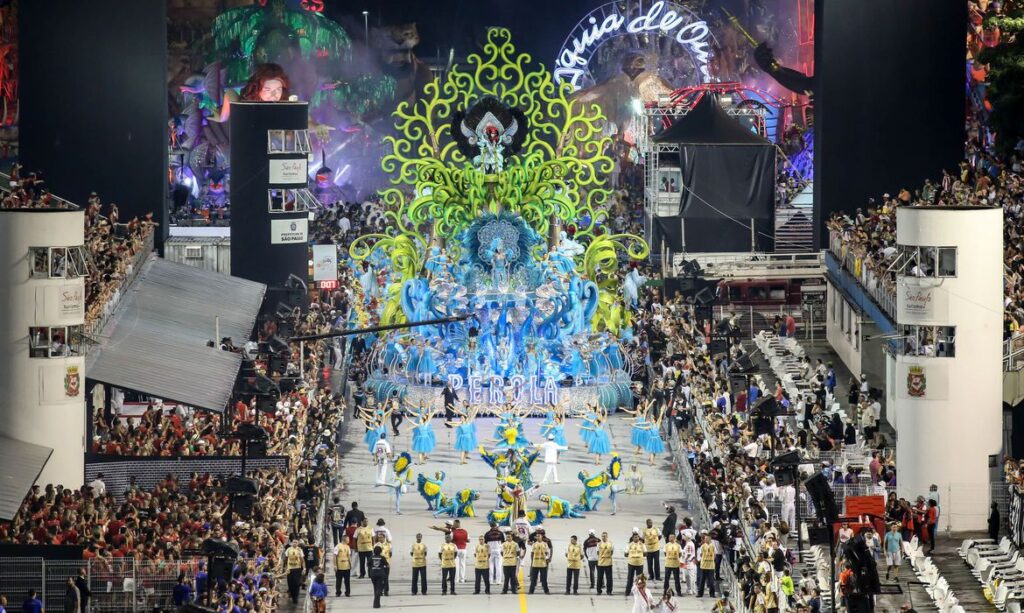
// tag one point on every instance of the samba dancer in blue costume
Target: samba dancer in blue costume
(376, 425)
(653, 443)
(600, 442)
(465, 433)
(555, 427)
(640, 429)
(423, 437)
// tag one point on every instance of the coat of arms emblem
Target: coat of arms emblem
(72, 382)
(916, 382)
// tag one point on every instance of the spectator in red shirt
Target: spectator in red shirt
(931, 519)
(461, 539)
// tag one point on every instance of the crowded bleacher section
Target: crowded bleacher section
(160, 530)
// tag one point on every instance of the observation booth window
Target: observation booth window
(288, 141)
(58, 262)
(54, 341)
(291, 200)
(929, 341)
(927, 262)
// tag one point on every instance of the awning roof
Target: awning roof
(20, 465)
(156, 341)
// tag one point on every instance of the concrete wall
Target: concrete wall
(843, 329)
(36, 403)
(948, 429)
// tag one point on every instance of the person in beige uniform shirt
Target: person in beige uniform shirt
(418, 552)
(539, 565)
(447, 554)
(634, 560)
(294, 564)
(652, 543)
(509, 562)
(342, 568)
(673, 555)
(364, 545)
(482, 566)
(605, 551)
(573, 563)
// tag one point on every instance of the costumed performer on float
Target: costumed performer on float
(559, 507)
(267, 83)
(430, 488)
(631, 285)
(423, 438)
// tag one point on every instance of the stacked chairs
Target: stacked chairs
(999, 568)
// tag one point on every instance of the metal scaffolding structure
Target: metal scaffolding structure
(656, 202)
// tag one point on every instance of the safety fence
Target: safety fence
(149, 471)
(120, 584)
(95, 327)
(322, 536)
(684, 472)
(881, 289)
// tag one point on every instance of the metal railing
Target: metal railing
(691, 490)
(875, 287)
(120, 584)
(1013, 352)
(94, 328)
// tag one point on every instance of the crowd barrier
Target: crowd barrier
(95, 327)
(882, 294)
(122, 584)
(684, 472)
(149, 471)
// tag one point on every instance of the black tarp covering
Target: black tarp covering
(728, 172)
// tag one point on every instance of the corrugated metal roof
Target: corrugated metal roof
(20, 465)
(156, 341)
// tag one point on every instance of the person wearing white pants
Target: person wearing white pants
(494, 538)
(688, 567)
(381, 454)
(551, 449)
(787, 495)
(461, 539)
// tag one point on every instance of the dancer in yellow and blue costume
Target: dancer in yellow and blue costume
(559, 507)
(460, 505)
(430, 488)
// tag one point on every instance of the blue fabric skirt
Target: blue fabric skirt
(465, 438)
(654, 444)
(559, 433)
(601, 443)
(638, 435)
(423, 439)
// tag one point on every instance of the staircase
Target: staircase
(794, 223)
